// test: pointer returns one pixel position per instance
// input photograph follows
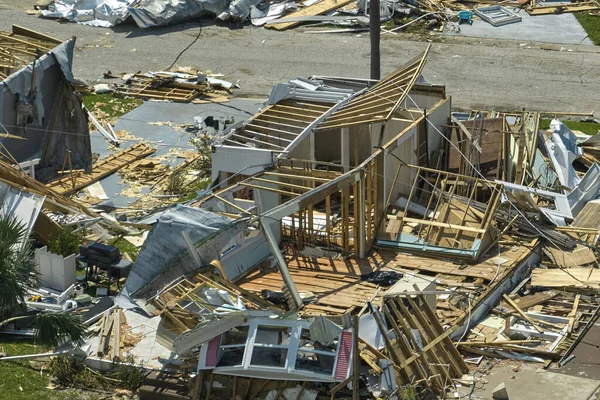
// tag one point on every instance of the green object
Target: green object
(591, 25)
(84, 299)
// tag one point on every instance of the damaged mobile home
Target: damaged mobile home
(358, 238)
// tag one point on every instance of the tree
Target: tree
(17, 275)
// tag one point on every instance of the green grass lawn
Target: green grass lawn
(591, 25)
(19, 380)
(112, 106)
(589, 128)
(22, 379)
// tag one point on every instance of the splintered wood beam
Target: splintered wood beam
(240, 209)
(573, 314)
(522, 313)
(101, 169)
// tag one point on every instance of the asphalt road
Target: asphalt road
(501, 75)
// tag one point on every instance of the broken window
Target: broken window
(271, 346)
(233, 344)
(313, 356)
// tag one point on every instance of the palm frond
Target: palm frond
(52, 329)
(17, 268)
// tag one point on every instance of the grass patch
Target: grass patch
(20, 381)
(587, 127)
(591, 25)
(108, 106)
(124, 246)
(192, 190)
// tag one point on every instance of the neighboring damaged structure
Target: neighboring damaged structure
(37, 101)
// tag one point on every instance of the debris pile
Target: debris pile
(344, 15)
(173, 86)
(357, 238)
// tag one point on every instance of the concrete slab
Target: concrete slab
(532, 383)
(158, 125)
(587, 356)
(561, 28)
(147, 352)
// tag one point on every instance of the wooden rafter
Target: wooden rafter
(381, 101)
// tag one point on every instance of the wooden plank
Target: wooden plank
(269, 189)
(101, 169)
(319, 8)
(19, 30)
(573, 314)
(297, 177)
(522, 313)
(566, 277)
(438, 224)
(454, 355)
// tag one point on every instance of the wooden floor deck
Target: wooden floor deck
(337, 284)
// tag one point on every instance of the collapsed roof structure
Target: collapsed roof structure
(356, 235)
(398, 221)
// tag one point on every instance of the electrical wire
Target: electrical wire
(188, 46)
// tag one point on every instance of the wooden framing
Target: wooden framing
(277, 125)
(162, 88)
(448, 221)
(21, 47)
(432, 357)
(76, 181)
(381, 101)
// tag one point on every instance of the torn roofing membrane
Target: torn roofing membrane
(102, 13)
(20, 81)
(165, 243)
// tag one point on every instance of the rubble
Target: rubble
(356, 238)
(395, 15)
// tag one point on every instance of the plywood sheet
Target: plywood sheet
(573, 277)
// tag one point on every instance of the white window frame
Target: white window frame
(296, 328)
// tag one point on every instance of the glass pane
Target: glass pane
(318, 363)
(305, 340)
(268, 357)
(231, 356)
(273, 335)
(235, 336)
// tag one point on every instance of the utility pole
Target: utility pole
(374, 34)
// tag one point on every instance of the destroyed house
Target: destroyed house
(42, 119)
(354, 232)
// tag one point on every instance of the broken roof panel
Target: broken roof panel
(381, 101)
(164, 255)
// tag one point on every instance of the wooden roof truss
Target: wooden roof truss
(276, 126)
(380, 102)
(20, 47)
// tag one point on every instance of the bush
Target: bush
(67, 242)
(70, 371)
(130, 375)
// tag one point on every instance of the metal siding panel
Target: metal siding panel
(343, 364)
